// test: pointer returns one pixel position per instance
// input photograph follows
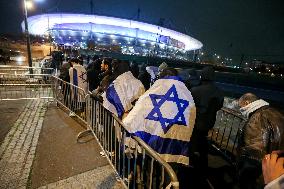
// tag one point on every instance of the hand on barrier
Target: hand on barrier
(272, 166)
(97, 95)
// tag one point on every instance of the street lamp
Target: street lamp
(28, 4)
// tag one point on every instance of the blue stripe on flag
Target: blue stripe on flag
(164, 145)
(173, 77)
(114, 99)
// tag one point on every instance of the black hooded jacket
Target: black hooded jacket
(208, 99)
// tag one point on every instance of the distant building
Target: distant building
(126, 36)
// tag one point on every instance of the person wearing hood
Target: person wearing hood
(134, 68)
(93, 74)
(262, 134)
(208, 99)
(144, 77)
(123, 91)
(78, 78)
(78, 75)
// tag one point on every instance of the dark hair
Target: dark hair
(76, 60)
(95, 57)
(207, 73)
(97, 64)
(168, 72)
(107, 61)
(119, 67)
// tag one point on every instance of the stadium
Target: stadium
(122, 35)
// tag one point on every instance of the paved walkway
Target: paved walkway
(40, 151)
(18, 148)
(96, 178)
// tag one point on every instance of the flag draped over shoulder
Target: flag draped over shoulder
(78, 77)
(120, 94)
(164, 117)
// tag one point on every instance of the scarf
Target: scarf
(251, 107)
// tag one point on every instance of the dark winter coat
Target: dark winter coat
(262, 134)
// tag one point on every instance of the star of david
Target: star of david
(82, 77)
(159, 100)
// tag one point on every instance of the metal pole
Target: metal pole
(28, 37)
(49, 36)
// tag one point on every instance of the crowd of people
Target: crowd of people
(173, 115)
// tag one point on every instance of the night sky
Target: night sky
(226, 27)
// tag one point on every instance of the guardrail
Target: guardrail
(135, 163)
(70, 97)
(16, 83)
(20, 70)
(225, 133)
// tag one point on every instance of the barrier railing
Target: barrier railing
(16, 83)
(224, 135)
(136, 164)
(20, 70)
(70, 97)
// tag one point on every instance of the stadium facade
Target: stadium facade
(131, 37)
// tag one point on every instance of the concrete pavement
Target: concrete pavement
(40, 150)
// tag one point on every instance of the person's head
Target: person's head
(74, 61)
(80, 60)
(95, 57)
(119, 67)
(106, 64)
(247, 99)
(168, 72)
(207, 74)
(97, 64)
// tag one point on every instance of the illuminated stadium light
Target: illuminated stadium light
(78, 24)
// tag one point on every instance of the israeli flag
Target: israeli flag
(121, 93)
(164, 118)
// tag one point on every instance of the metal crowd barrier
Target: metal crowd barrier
(70, 97)
(16, 83)
(20, 70)
(225, 133)
(135, 163)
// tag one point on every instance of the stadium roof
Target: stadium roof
(41, 24)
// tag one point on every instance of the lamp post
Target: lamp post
(28, 36)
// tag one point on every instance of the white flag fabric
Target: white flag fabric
(78, 76)
(120, 94)
(164, 118)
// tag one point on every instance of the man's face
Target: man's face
(104, 66)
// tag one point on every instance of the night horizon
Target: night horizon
(227, 28)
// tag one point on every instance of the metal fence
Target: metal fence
(224, 135)
(70, 97)
(16, 83)
(135, 163)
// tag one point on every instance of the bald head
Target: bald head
(247, 99)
